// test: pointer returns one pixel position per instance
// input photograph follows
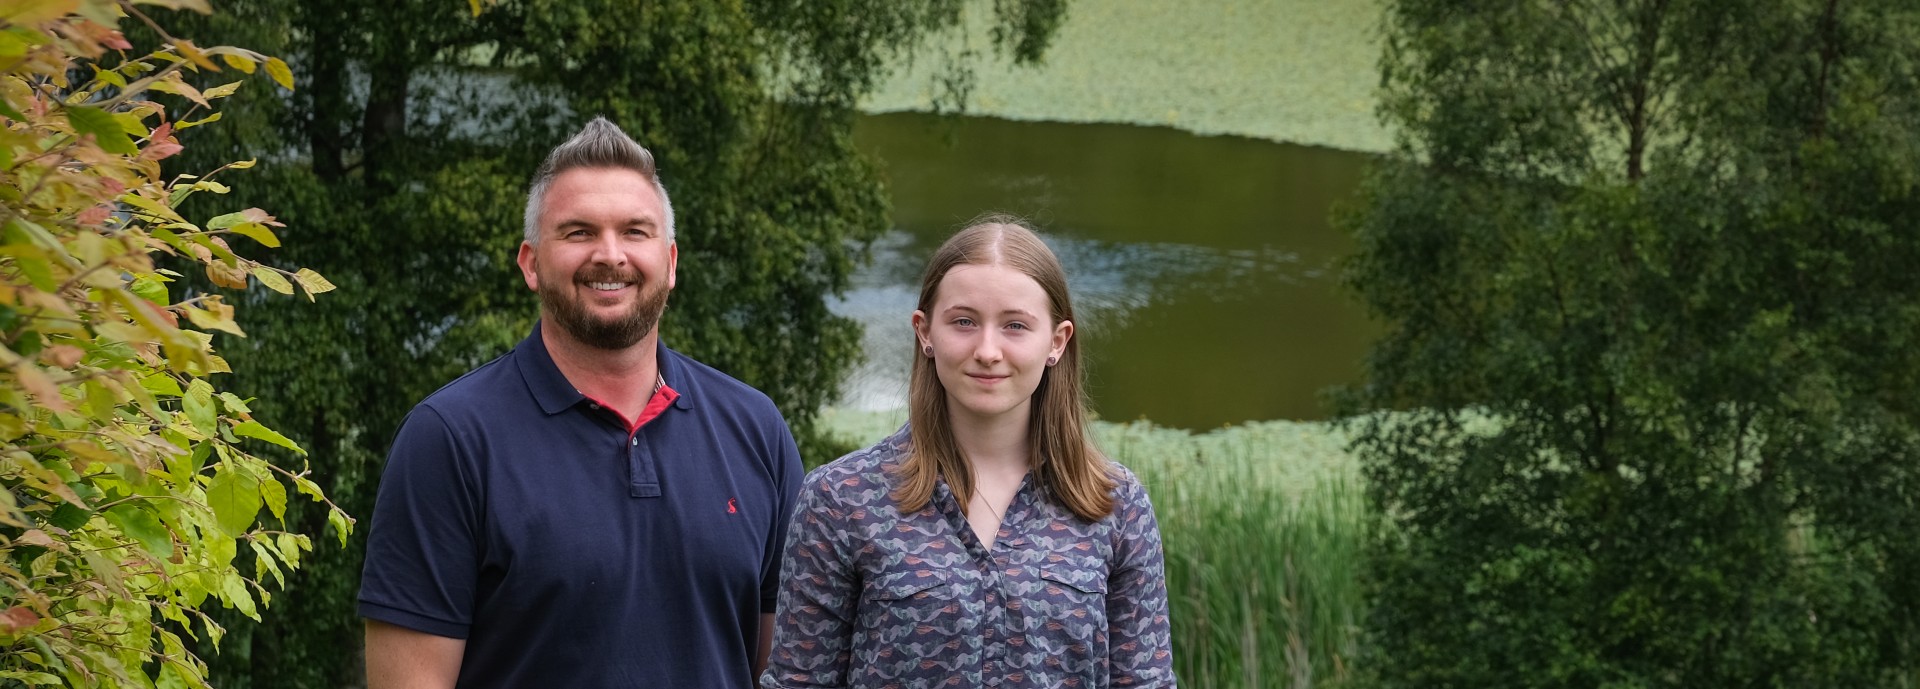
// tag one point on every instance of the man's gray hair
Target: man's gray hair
(599, 144)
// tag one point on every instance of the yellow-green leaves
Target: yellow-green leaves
(228, 88)
(239, 62)
(280, 73)
(216, 315)
(154, 210)
(36, 11)
(200, 6)
(312, 282)
(252, 223)
(128, 482)
(272, 279)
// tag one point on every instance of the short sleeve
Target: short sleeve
(787, 477)
(423, 544)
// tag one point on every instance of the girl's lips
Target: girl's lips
(985, 378)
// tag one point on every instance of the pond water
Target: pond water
(1202, 267)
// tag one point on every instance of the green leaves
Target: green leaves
(104, 128)
(234, 591)
(274, 496)
(253, 429)
(235, 499)
(126, 489)
(199, 406)
(143, 526)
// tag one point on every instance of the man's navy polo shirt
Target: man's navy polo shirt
(522, 516)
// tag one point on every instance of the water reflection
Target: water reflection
(1201, 266)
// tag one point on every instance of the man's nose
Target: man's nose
(606, 249)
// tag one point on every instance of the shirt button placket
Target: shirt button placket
(996, 647)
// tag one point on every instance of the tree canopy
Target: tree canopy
(400, 167)
(1644, 414)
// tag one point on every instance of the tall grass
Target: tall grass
(1262, 526)
(1262, 530)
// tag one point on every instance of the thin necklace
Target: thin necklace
(999, 513)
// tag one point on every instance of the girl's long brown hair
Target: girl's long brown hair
(1063, 461)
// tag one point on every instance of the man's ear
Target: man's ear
(529, 265)
(673, 264)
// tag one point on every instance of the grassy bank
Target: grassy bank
(1261, 525)
(1301, 71)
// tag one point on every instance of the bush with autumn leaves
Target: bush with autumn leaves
(130, 499)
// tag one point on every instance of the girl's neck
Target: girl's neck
(993, 446)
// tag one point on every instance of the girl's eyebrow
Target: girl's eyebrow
(1005, 312)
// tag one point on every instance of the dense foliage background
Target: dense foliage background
(400, 165)
(1649, 272)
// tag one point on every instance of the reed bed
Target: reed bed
(1262, 526)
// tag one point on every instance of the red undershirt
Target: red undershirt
(662, 398)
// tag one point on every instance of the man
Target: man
(591, 509)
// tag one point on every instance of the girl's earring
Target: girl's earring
(1053, 360)
(928, 349)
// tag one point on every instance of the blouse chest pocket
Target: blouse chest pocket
(912, 585)
(916, 605)
(1073, 587)
(1066, 597)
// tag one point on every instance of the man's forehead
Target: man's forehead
(588, 220)
(599, 193)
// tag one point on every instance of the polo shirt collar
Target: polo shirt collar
(551, 389)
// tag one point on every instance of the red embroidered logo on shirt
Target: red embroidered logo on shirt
(732, 508)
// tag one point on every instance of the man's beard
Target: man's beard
(622, 332)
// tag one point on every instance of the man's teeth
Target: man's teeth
(606, 286)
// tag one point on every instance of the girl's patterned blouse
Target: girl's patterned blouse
(871, 597)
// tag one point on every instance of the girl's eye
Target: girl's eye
(1017, 325)
(963, 322)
